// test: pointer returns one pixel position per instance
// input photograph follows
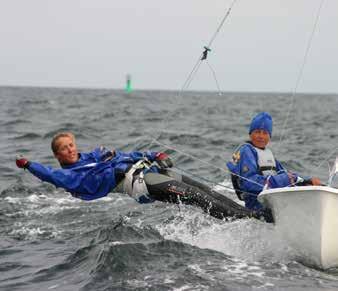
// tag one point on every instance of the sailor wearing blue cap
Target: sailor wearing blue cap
(253, 164)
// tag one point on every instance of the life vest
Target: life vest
(266, 162)
(266, 166)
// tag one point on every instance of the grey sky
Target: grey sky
(87, 43)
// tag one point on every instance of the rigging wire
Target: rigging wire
(191, 75)
(215, 78)
(205, 179)
(332, 152)
(203, 162)
(204, 54)
(201, 58)
(300, 74)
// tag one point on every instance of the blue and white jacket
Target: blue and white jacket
(250, 177)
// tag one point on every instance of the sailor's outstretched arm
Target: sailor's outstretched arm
(42, 172)
(58, 177)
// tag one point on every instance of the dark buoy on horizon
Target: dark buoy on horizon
(128, 88)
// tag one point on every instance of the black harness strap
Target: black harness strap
(235, 184)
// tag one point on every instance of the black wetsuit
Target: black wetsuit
(171, 187)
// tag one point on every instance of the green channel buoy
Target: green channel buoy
(128, 84)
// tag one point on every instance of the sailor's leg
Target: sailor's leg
(220, 199)
(170, 173)
(164, 188)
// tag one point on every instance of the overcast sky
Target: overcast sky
(87, 43)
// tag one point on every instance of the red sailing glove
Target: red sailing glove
(163, 160)
(21, 162)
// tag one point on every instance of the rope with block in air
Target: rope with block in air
(204, 54)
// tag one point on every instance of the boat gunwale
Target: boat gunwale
(326, 189)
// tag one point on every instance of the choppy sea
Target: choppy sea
(51, 241)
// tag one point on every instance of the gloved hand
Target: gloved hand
(21, 162)
(163, 160)
(308, 181)
(106, 155)
(316, 181)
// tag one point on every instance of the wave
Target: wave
(27, 136)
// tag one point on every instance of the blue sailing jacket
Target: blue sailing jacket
(92, 176)
(245, 164)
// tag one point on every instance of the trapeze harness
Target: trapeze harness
(134, 184)
(266, 167)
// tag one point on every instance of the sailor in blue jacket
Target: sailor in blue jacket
(253, 165)
(91, 175)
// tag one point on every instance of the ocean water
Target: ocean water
(51, 241)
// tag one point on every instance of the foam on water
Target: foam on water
(249, 239)
(32, 232)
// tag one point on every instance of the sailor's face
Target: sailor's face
(260, 138)
(67, 153)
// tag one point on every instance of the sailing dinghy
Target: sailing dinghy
(307, 217)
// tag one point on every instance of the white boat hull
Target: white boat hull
(307, 216)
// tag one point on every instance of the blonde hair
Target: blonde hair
(56, 137)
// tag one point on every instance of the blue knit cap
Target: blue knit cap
(262, 120)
